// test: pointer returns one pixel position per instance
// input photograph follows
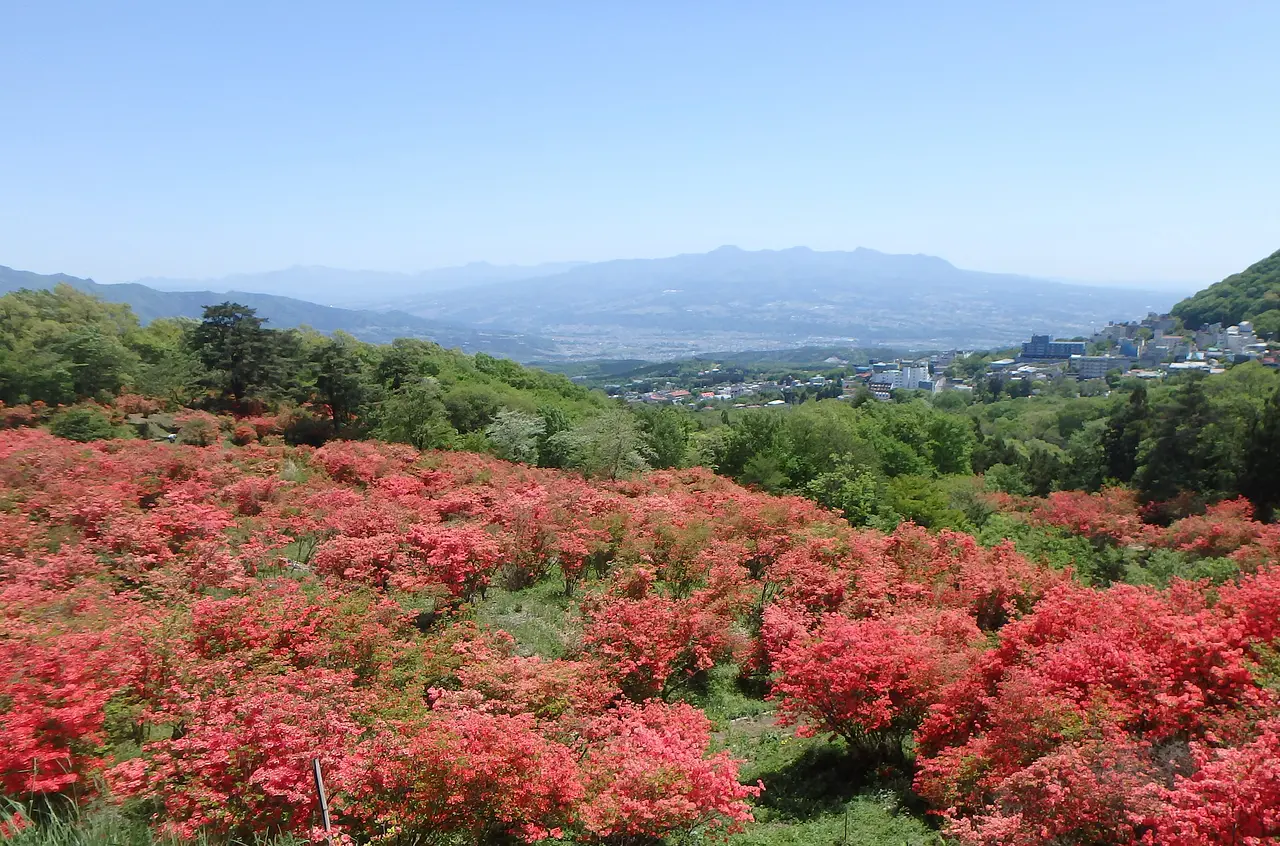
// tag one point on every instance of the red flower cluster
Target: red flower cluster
(193, 625)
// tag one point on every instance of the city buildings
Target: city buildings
(1042, 346)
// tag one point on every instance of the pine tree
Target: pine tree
(1126, 428)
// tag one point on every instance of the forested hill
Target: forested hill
(62, 345)
(286, 312)
(1253, 294)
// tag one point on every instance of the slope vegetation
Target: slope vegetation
(487, 653)
(1252, 294)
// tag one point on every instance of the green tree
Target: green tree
(950, 444)
(1126, 428)
(1181, 453)
(1261, 478)
(406, 361)
(746, 437)
(62, 345)
(415, 415)
(666, 434)
(609, 446)
(857, 493)
(553, 452)
(99, 363)
(168, 367)
(1045, 468)
(235, 347)
(340, 379)
(471, 407)
(514, 435)
(922, 500)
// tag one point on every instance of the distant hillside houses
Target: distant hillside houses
(1147, 348)
(1150, 348)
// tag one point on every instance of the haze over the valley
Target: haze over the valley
(726, 299)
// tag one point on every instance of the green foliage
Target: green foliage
(924, 502)
(1126, 428)
(106, 825)
(341, 382)
(608, 446)
(666, 434)
(514, 435)
(1251, 293)
(1261, 478)
(83, 423)
(237, 350)
(61, 345)
(857, 493)
(414, 414)
(553, 452)
(791, 448)
(1185, 451)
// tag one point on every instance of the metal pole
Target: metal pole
(324, 800)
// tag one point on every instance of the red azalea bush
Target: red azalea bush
(137, 404)
(1114, 515)
(869, 680)
(190, 626)
(17, 416)
(1110, 696)
(112, 641)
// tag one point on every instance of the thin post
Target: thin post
(324, 800)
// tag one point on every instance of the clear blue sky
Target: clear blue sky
(1094, 140)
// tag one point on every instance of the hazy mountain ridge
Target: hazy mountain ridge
(692, 303)
(353, 288)
(287, 312)
(794, 296)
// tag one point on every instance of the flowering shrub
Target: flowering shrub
(190, 626)
(136, 404)
(198, 428)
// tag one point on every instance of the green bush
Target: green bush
(83, 423)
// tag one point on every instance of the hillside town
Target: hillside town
(1148, 349)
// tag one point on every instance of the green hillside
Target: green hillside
(1253, 294)
(63, 345)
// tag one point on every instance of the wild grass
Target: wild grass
(815, 790)
(102, 825)
(540, 617)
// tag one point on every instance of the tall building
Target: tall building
(1042, 346)
(1098, 366)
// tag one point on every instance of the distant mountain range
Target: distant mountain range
(286, 312)
(737, 299)
(359, 288)
(727, 299)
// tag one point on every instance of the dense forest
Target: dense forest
(498, 607)
(1252, 294)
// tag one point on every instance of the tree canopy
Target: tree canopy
(1252, 294)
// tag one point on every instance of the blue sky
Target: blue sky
(1125, 141)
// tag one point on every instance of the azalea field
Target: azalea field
(483, 652)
